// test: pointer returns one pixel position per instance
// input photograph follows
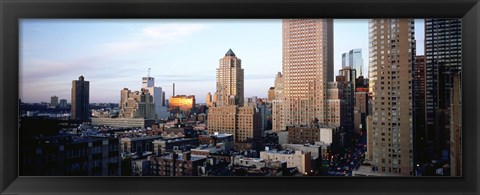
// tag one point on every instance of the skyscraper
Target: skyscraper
(419, 112)
(443, 45)
(356, 60)
(229, 114)
(80, 99)
(392, 55)
(307, 68)
(158, 95)
(230, 80)
(346, 79)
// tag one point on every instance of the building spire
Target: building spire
(230, 53)
(149, 72)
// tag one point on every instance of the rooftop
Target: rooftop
(230, 53)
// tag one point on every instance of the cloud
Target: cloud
(155, 36)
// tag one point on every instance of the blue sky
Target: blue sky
(113, 54)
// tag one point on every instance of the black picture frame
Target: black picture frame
(13, 10)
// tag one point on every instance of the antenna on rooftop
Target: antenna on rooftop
(148, 72)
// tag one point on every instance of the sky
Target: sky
(113, 54)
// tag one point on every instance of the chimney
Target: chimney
(173, 90)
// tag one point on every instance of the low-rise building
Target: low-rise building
(70, 155)
(258, 166)
(174, 164)
(137, 145)
(176, 144)
(298, 159)
(307, 135)
(242, 122)
(123, 122)
(141, 167)
(222, 140)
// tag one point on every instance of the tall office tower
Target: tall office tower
(80, 99)
(54, 101)
(137, 104)
(419, 120)
(346, 79)
(392, 55)
(355, 60)
(230, 80)
(307, 68)
(230, 115)
(148, 83)
(456, 126)
(443, 45)
(278, 111)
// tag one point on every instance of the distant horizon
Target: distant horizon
(114, 54)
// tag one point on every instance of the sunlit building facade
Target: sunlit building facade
(182, 102)
(230, 80)
(307, 68)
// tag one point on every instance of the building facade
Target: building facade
(456, 126)
(443, 53)
(230, 78)
(69, 155)
(278, 112)
(299, 159)
(137, 104)
(307, 67)
(347, 81)
(271, 94)
(174, 164)
(158, 96)
(242, 122)
(360, 110)
(80, 99)
(306, 135)
(354, 60)
(54, 101)
(392, 55)
(336, 106)
(182, 103)
(419, 89)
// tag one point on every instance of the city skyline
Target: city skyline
(114, 54)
